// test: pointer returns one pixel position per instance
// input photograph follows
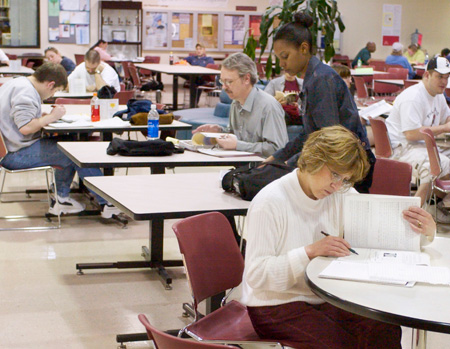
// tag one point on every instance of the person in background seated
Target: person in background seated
(95, 73)
(200, 59)
(53, 55)
(21, 122)
(287, 84)
(101, 46)
(4, 60)
(284, 222)
(345, 74)
(365, 54)
(256, 118)
(422, 106)
(414, 54)
(396, 57)
(325, 98)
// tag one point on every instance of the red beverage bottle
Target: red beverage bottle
(95, 108)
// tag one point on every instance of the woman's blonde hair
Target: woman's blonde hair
(339, 149)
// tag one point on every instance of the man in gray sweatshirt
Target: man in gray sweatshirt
(21, 121)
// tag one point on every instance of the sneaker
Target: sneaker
(65, 205)
(109, 211)
(442, 214)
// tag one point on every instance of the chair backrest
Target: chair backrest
(383, 146)
(79, 59)
(3, 149)
(399, 73)
(212, 257)
(211, 78)
(433, 152)
(378, 65)
(126, 72)
(391, 177)
(152, 59)
(72, 101)
(385, 88)
(135, 79)
(361, 88)
(261, 70)
(164, 340)
(409, 83)
(124, 96)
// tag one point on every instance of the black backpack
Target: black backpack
(247, 181)
(155, 147)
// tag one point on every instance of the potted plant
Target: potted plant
(324, 13)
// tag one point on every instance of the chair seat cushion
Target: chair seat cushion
(444, 185)
(230, 322)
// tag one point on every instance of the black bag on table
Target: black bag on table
(248, 181)
(106, 92)
(155, 147)
(152, 85)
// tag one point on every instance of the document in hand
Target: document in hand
(389, 250)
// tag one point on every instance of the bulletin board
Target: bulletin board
(234, 31)
(183, 30)
(208, 30)
(155, 28)
(68, 21)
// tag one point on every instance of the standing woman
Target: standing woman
(101, 46)
(53, 55)
(325, 98)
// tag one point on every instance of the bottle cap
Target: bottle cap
(94, 94)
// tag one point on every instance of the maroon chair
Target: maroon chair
(72, 101)
(135, 79)
(214, 264)
(378, 65)
(383, 146)
(79, 59)
(399, 73)
(124, 96)
(163, 340)
(409, 83)
(147, 73)
(391, 177)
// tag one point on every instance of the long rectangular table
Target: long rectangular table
(176, 70)
(159, 197)
(93, 154)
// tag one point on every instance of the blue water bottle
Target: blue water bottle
(153, 123)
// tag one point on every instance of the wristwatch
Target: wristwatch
(98, 72)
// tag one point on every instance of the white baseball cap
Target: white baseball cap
(439, 64)
(397, 47)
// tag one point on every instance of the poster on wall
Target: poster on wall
(193, 3)
(155, 30)
(391, 24)
(68, 21)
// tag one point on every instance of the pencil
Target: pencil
(350, 249)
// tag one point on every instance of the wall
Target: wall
(362, 19)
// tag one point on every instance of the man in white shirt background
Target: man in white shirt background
(95, 73)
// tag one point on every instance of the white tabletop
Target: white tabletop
(145, 197)
(93, 154)
(75, 109)
(64, 94)
(178, 69)
(398, 82)
(21, 70)
(423, 306)
(356, 72)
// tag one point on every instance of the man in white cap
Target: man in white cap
(422, 106)
(396, 57)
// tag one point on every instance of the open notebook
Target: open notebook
(389, 250)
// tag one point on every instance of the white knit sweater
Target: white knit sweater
(281, 221)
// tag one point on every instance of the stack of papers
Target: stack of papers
(376, 109)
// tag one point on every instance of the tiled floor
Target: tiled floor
(45, 304)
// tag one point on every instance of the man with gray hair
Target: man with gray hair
(256, 118)
(95, 73)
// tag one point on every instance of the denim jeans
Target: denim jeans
(45, 152)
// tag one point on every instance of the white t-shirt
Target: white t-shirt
(413, 109)
(108, 74)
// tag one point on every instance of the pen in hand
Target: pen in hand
(350, 249)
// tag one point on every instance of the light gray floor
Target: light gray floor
(44, 304)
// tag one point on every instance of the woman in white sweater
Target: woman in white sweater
(283, 234)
